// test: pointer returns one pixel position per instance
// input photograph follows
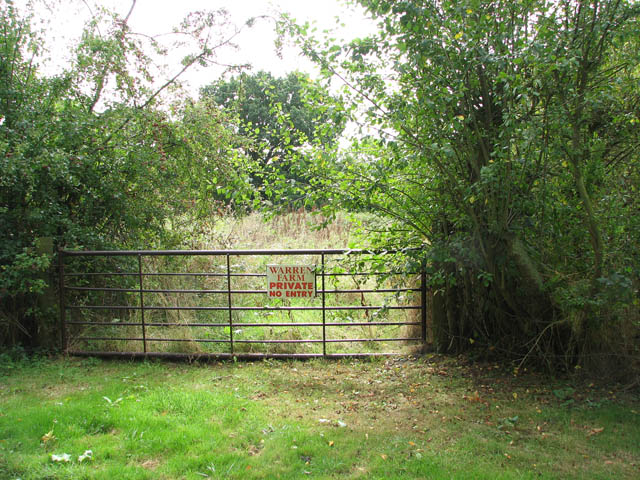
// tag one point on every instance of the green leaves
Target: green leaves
(284, 120)
(92, 157)
(491, 149)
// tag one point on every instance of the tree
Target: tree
(92, 158)
(282, 116)
(508, 130)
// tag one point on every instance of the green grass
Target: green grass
(404, 418)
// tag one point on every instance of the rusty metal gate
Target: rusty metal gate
(213, 304)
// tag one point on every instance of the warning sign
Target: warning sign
(291, 281)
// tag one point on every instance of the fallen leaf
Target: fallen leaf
(475, 398)
(595, 431)
(383, 456)
(48, 437)
(253, 450)
(150, 464)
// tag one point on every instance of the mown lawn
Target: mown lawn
(428, 417)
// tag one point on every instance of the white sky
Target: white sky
(256, 44)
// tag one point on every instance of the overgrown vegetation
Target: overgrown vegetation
(505, 150)
(92, 158)
(188, 314)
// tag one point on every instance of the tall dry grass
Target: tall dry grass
(294, 230)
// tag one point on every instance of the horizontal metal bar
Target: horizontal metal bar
(119, 339)
(105, 307)
(135, 290)
(245, 309)
(352, 340)
(158, 253)
(319, 340)
(227, 356)
(105, 324)
(155, 324)
(202, 274)
(98, 289)
(95, 274)
(291, 309)
(164, 274)
(216, 274)
(136, 339)
(352, 274)
(315, 324)
(165, 253)
(198, 340)
(226, 340)
(381, 290)
(367, 324)
(132, 290)
(279, 324)
(206, 291)
(290, 324)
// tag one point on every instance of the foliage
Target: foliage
(283, 117)
(507, 147)
(93, 157)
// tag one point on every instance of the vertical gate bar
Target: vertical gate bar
(423, 304)
(229, 302)
(63, 319)
(144, 333)
(324, 312)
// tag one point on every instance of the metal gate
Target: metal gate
(214, 304)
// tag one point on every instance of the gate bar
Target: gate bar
(301, 251)
(144, 335)
(423, 304)
(228, 356)
(244, 309)
(324, 311)
(275, 324)
(229, 302)
(63, 319)
(303, 340)
(147, 290)
(213, 274)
